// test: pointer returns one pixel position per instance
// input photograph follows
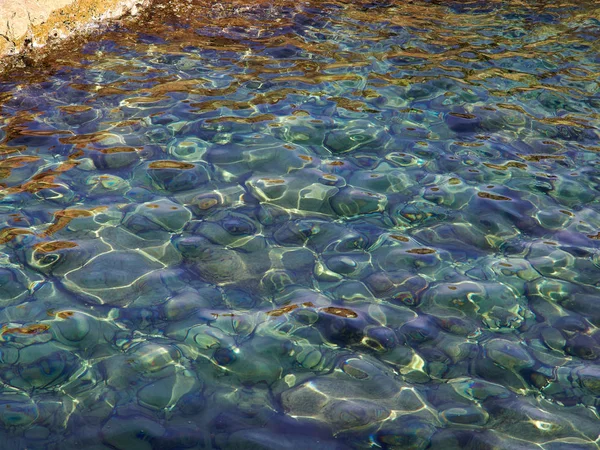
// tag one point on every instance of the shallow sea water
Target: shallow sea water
(306, 225)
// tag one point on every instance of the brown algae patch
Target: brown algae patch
(49, 247)
(14, 162)
(8, 234)
(341, 312)
(272, 180)
(207, 203)
(64, 217)
(421, 251)
(252, 119)
(489, 196)
(506, 166)
(164, 164)
(74, 109)
(540, 157)
(83, 139)
(288, 308)
(109, 151)
(27, 329)
(463, 116)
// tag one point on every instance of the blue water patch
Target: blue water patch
(288, 225)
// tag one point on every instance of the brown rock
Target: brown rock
(32, 23)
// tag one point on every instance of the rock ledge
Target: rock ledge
(29, 24)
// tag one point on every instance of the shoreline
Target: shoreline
(29, 28)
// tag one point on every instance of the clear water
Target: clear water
(306, 225)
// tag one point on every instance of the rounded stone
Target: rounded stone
(115, 157)
(224, 356)
(341, 326)
(358, 134)
(126, 433)
(188, 149)
(584, 347)
(346, 414)
(342, 264)
(151, 357)
(381, 338)
(17, 410)
(406, 433)
(174, 176)
(41, 366)
(508, 354)
(470, 416)
(184, 305)
(72, 326)
(351, 201)
(110, 277)
(13, 286)
(589, 378)
(462, 122)
(161, 214)
(165, 393)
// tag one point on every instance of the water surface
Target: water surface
(306, 225)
